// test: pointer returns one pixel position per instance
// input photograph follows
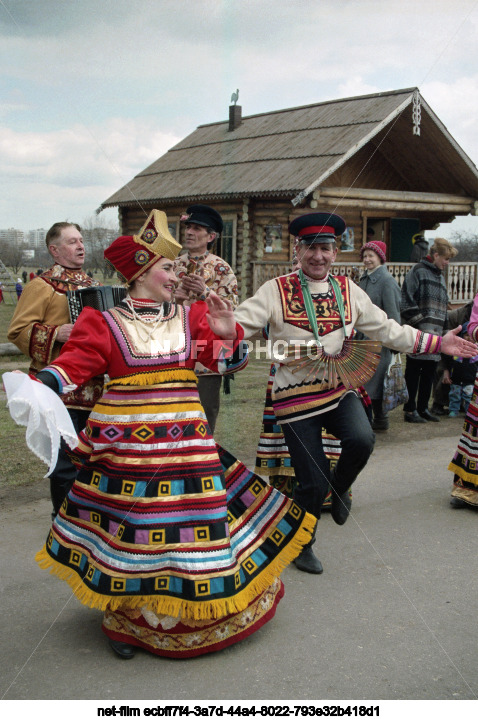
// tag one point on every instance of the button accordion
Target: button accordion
(100, 297)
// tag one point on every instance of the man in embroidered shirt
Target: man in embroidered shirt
(41, 325)
(303, 404)
(199, 271)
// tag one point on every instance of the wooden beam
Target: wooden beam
(391, 206)
(395, 195)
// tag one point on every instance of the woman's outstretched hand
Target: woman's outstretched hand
(221, 317)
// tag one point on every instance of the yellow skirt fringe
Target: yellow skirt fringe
(146, 379)
(275, 471)
(197, 610)
(461, 473)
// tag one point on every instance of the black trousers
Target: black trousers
(209, 389)
(64, 473)
(419, 376)
(350, 424)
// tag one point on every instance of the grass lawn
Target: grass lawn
(18, 465)
(6, 312)
(238, 426)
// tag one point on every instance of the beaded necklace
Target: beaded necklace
(155, 318)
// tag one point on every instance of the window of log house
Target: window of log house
(226, 245)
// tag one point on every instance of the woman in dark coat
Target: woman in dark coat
(383, 291)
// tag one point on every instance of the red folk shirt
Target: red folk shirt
(111, 343)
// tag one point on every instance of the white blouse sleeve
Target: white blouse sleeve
(46, 418)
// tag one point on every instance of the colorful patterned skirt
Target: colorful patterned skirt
(177, 541)
(272, 457)
(184, 638)
(465, 461)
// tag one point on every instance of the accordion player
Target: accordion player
(99, 297)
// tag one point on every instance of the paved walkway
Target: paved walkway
(392, 617)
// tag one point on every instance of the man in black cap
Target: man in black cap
(311, 307)
(420, 248)
(200, 271)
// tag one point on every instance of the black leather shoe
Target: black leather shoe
(380, 424)
(428, 416)
(413, 417)
(457, 502)
(341, 506)
(307, 561)
(123, 650)
(439, 411)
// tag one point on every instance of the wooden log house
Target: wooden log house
(385, 162)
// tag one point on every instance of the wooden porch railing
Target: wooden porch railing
(461, 278)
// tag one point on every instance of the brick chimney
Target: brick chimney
(235, 117)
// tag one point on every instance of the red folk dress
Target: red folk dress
(171, 536)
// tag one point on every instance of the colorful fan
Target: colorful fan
(353, 365)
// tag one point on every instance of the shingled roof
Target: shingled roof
(290, 152)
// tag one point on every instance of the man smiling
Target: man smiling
(311, 305)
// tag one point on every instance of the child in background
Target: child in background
(460, 374)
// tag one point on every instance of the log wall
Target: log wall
(355, 205)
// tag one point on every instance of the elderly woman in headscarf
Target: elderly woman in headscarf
(175, 540)
(384, 292)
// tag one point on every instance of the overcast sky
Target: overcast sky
(95, 90)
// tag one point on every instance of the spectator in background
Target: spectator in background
(199, 272)
(41, 325)
(420, 248)
(455, 317)
(18, 287)
(384, 292)
(424, 305)
(25, 277)
(460, 375)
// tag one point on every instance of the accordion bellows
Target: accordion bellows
(98, 297)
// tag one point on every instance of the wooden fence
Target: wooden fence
(461, 278)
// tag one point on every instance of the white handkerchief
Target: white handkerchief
(46, 418)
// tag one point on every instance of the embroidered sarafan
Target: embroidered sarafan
(160, 521)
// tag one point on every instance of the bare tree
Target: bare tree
(466, 242)
(97, 238)
(43, 258)
(11, 253)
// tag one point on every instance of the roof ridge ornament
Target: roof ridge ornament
(416, 112)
